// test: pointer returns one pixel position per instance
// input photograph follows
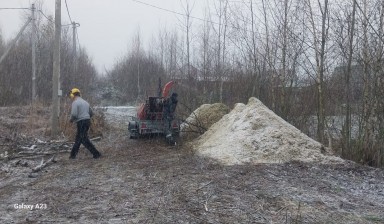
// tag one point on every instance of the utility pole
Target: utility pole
(138, 79)
(56, 72)
(74, 26)
(14, 41)
(33, 40)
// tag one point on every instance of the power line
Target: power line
(216, 23)
(292, 34)
(231, 1)
(171, 11)
(66, 5)
(70, 19)
(197, 18)
(210, 21)
(13, 8)
(77, 36)
(193, 17)
(52, 20)
(46, 16)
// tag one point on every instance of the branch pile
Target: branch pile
(202, 119)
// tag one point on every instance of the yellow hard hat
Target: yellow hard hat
(73, 91)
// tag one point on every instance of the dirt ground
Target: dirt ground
(147, 181)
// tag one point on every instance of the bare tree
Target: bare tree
(345, 18)
(220, 29)
(368, 117)
(15, 73)
(205, 57)
(319, 46)
(188, 8)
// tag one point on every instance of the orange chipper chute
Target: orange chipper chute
(167, 88)
(141, 114)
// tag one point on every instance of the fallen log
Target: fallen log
(43, 164)
(25, 157)
(34, 155)
(95, 139)
(42, 153)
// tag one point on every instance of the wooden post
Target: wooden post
(56, 71)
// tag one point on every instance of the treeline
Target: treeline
(317, 64)
(16, 69)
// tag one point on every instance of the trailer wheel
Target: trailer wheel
(132, 130)
(133, 135)
(173, 139)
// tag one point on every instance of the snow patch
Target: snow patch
(254, 134)
(119, 115)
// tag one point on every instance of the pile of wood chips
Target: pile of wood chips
(202, 119)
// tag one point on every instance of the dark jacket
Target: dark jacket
(170, 105)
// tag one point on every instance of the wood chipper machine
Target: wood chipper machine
(152, 117)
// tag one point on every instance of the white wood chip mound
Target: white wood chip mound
(202, 119)
(254, 134)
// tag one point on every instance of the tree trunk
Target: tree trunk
(348, 74)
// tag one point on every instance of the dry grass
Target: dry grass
(98, 126)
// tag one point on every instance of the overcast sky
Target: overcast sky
(106, 26)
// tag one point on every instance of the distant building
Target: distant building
(336, 85)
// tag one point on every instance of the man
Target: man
(81, 113)
(169, 110)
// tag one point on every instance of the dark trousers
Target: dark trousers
(168, 123)
(82, 138)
